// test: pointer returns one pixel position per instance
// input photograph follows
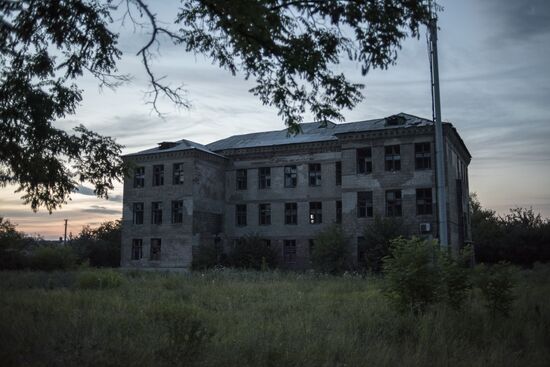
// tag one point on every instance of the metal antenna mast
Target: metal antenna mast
(439, 141)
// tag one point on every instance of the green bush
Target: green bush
(378, 236)
(252, 252)
(331, 252)
(53, 258)
(455, 277)
(99, 279)
(412, 276)
(496, 283)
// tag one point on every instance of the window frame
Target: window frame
(422, 156)
(178, 170)
(155, 249)
(291, 213)
(139, 177)
(365, 204)
(289, 251)
(291, 174)
(156, 212)
(363, 160)
(264, 214)
(315, 212)
(338, 211)
(177, 211)
(338, 173)
(392, 157)
(264, 178)
(241, 215)
(241, 179)
(137, 249)
(395, 204)
(158, 175)
(135, 212)
(314, 174)
(424, 201)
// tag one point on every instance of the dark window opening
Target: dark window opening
(338, 211)
(138, 213)
(154, 253)
(291, 177)
(177, 211)
(424, 201)
(265, 214)
(291, 213)
(315, 212)
(393, 157)
(338, 169)
(139, 177)
(315, 174)
(364, 204)
(364, 160)
(177, 174)
(240, 214)
(137, 249)
(242, 179)
(289, 251)
(393, 203)
(156, 212)
(423, 156)
(158, 175)
(264, 178)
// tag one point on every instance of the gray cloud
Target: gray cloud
(520, 19)
(97, 209)
(87, 191)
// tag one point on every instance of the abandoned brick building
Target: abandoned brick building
(287, 188)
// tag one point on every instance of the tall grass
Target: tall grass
(238, 318)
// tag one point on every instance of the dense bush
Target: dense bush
(378, 236)
(14, 246)
(252, 252)
(99, 279)
(50, 258)
(331, 251)
(99, 247)
(496, 283)
(521, 237)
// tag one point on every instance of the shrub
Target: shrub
(53, 258)
(455, 277)
(330, 253)
(252, 252)
(496, 283)
(413, 278)
(378, 236)
(99, 279)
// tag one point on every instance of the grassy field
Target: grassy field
(231, 318)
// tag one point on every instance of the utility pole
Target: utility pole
(439, 141)
(65, 237)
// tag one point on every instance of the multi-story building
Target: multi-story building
(287, 188)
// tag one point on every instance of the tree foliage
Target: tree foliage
(331, 253)
(378, 236)
(100, 246)
(289, 48)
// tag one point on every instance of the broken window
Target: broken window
(291, 213)
(156, 212)
(393, 203)
(338, 175)
(138, 213)
(423, 156)
(338, 211)
(315, 174)
(364, 204)
(424, 201)
(242, 179)
(139, 177)
(289, 251)
(240, 214)
(315, 212)
(364, 160)
(393, 157)
(265, 214)
(177, 211)
(264, 177)
(137, 249)
(158, 175)
(154, 253)
(291, 177)
(177, 174)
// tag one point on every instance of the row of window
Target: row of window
(158, 175)
(157, 212)
(365, 208)
(392, 158)
(154, 249)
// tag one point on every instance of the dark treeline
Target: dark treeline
(97, 247)
(521, 237)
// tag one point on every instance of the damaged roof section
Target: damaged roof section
(315, 132)
(174, 146)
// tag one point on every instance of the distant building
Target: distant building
(182, 195)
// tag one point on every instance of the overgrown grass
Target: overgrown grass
(239, 318)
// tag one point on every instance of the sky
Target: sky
(495, 89)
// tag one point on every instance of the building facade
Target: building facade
(286, 189)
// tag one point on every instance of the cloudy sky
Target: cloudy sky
(495, 88)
